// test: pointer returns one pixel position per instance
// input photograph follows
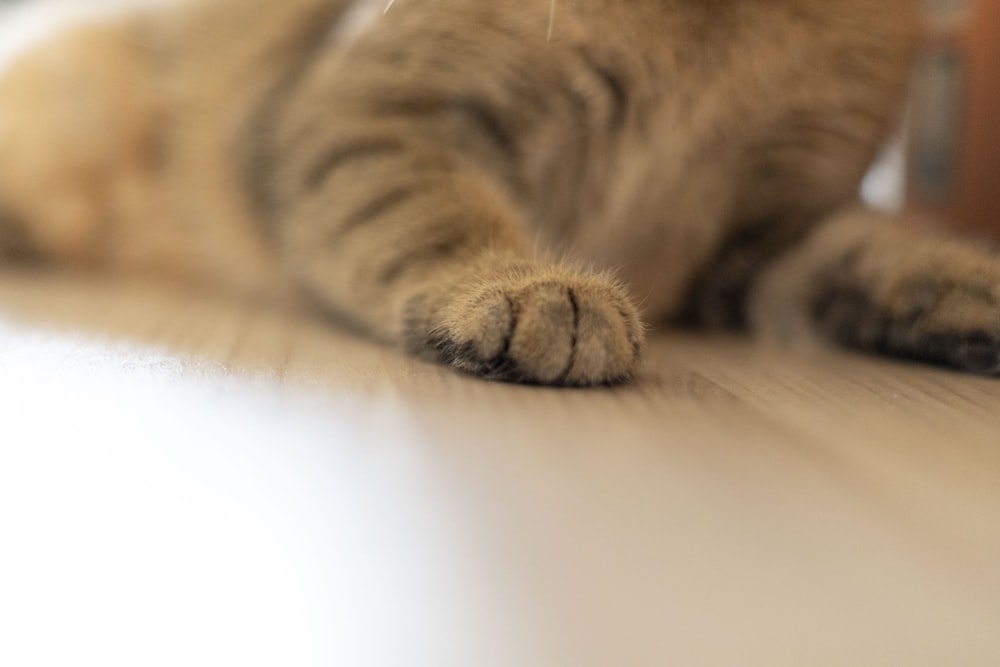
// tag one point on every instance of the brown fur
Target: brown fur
(446, 179)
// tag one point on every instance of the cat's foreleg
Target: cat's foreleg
(424, 249)
(882, 284)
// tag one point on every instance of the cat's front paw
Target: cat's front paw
(547, 325)
(952, 322)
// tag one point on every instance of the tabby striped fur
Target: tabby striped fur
(495, 185)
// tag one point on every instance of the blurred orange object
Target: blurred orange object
(953, 166)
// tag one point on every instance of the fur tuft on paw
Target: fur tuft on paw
(545, 325)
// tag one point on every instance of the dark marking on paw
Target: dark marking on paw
(575, 336)
(503, 367)
(515, 315)
(921, 300)
(849, 316)
(425, 338)
(465, 358)
(437, 345)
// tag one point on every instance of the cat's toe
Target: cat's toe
(556, 330)
(608, 337)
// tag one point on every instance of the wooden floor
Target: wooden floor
(186, 480)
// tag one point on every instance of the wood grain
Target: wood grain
(739, 504)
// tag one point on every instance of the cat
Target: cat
(508, 187)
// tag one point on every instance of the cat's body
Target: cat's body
(437, 172)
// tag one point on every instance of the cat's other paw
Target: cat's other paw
(535, 324)
(950, 323)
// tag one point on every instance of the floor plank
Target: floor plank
(316, 497)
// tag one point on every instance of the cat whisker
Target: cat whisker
(552, 19)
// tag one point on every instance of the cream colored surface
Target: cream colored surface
(185, 480)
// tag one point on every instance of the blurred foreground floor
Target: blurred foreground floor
(185, 480)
